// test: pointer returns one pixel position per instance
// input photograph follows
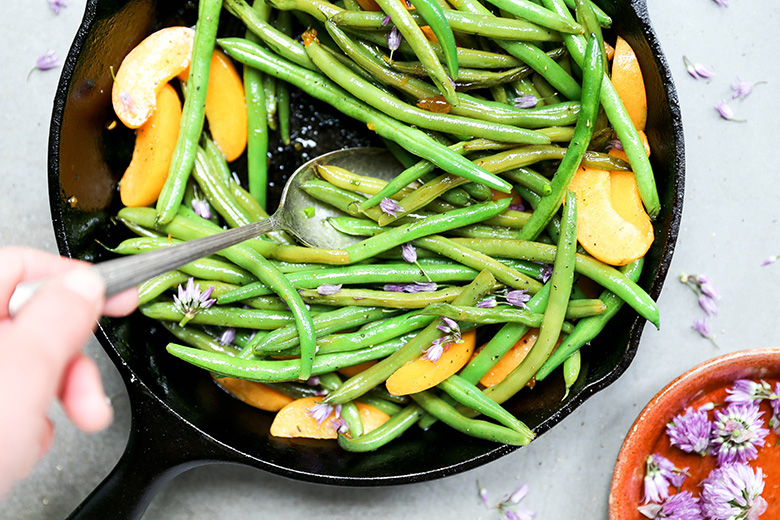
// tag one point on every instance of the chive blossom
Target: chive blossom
(56, 5)
(733, 492)
(737, 431)
(191, 300)
(690, 431)
(390, 207)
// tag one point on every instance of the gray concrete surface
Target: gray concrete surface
(730, 225)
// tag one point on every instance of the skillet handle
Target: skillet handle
(160, 447)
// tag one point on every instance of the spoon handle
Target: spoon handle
(122, 273)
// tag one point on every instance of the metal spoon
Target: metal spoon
(122, 273)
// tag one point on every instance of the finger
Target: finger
(122, 304)
(82, 396)
(25, 264)
(57, 321)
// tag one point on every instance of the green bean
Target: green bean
(358, 275)
(532, 198)
(351, 415)
(474, 427)
(411, 139)
(392, 428)
(391, 328)
(586, 16)
(527, 155)
(224, 316)
(469, 395)
(341, 199)
(603, 18)
(423, 195)
(276, 40)
(621, 122)
(435, 17)
(380, 404)
(604, 275)
(470, 58)
(257, 135)
(193, 112)
(278, 370)
(271, 104)
(476, 260)
(482, 316)
(394, 107)
(550, 330)
(588, 328)
(326, 323)
(387, 299)
(482, 231)
(284, 24)
(547, 91)
(416, 39)
(478, 191)
(530, 179)
(198, 339)
(350, 181)
(367, 57)
(571, 370)
(359, 384)
(469, 23)
(504, 314)
(593, 71)
(527, 10)
(217, 191)
(433, 224)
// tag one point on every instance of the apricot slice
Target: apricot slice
(254, 394)
(422, 374)
(615, 238)
(629, 83)
(146, 70)
(511, 359)
(155, 142)
(226, 107)
(295, 420)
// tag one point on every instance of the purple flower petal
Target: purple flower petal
(658, 470)
(319, 412)
(525, 101)
(487, 303)
(328, 289)
(733, 491)
(741, 89)
(390, 207)
(56, 5)
(707, 288)
(690, 431)
(681, 506)
(702, 327)
(190, 300)
(228, 336)
(518, 298)
(394, 39)
(201, 208)
(724, 110)
(386, 21)
(546, 273)
(769, 261)
(47, 61)
(614, 144)
(409, 253)
(708, 305)
(697, 70)
(434, 352)
(746, 391)
(722, 3)
(516, 207)
(737, 431)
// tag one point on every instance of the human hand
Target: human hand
(41, 357)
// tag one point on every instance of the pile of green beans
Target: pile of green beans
(454, 109)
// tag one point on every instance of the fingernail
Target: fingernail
(86, 283)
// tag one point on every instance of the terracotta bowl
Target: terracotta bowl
(703, 384)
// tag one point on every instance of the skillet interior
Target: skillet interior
(86, 161)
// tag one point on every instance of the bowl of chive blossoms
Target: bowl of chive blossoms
(705, 447)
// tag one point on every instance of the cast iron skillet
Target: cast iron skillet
(180, 419)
